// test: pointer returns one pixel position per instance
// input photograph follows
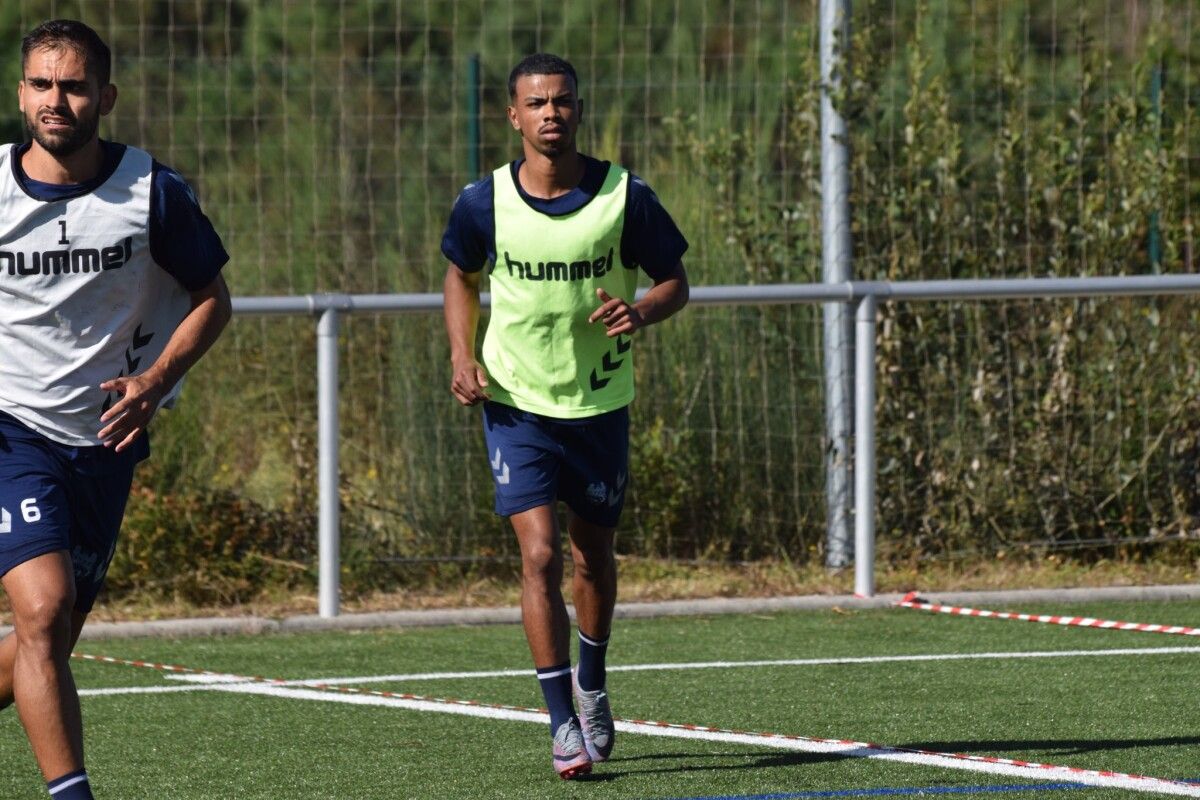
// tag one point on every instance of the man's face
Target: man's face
(61, 101)
(546, 111)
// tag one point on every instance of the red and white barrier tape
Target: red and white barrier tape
(847, 747)
(227, 676)
(911, 600)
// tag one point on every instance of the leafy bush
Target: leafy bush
(210, 548)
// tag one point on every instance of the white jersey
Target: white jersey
(81, 299)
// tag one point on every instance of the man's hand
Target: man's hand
(467, 384)
(128, 417)
(617, 315)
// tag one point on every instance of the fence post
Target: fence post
(473, 132)
(836, 268)
(864, 448)
(329, 504)
(1154, 243)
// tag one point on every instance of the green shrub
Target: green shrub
(210, 548)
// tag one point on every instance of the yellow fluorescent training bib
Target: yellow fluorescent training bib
(540, 351)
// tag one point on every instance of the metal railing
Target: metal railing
(863, 296)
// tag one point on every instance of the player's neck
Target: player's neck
(548, 177)
(78, 167)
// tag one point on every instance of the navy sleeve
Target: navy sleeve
(470, 238)
(182, 240)
(650, 239)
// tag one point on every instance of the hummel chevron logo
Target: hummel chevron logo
(502, 477)
(131, 363)
(614, 494)
(609, 364)
(140, 341)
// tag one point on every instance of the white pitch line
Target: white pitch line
(1042, 773)
(118, 690)
(793, 662)
(849, 750)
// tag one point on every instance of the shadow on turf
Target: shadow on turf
(694, 763)
(1055, 746)
(613, 770)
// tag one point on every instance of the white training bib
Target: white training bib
(81, 299)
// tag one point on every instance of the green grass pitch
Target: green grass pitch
(1128, 713)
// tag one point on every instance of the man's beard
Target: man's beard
(554, 149)
(81, 132)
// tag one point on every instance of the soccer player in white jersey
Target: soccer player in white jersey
(110, 290)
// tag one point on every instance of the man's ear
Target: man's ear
(512, 118)
(108, 99)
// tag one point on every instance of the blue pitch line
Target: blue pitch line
(896, 792)
(903, 791)
(909, 791)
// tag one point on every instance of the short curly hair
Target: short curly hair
(71, 34)
(540, 64)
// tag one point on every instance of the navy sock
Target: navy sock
(591, 663)
(556, 689)
(72, 786)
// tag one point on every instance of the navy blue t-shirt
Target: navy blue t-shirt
(650, 239)
(182, 240)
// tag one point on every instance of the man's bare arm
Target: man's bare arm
(141, 394)
(460, 298)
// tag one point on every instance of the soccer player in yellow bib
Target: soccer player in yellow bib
(562, 236)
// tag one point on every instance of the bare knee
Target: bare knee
(42, 625)
(541, 566)
(595, 564)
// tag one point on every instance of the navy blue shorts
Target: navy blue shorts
(538, 460)
(57, 497)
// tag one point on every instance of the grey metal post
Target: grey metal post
(1154, 245)
(473, 126)
(328, 536)
(864, 448)
(836, 268)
